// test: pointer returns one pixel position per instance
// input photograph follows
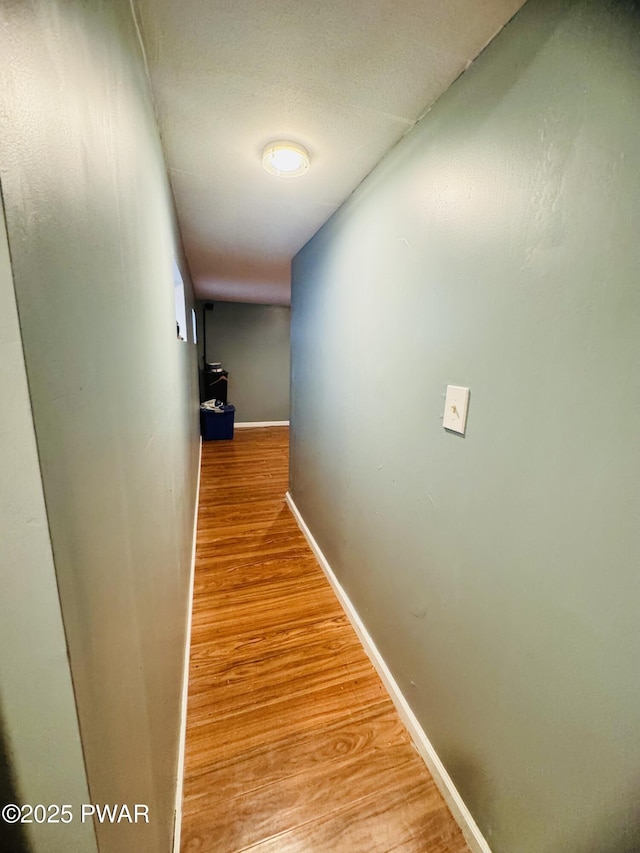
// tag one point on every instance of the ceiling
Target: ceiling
(345, 78)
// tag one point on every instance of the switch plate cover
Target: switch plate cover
(455, 409)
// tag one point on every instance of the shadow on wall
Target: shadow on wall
(624, 846)
(11, 835)
(621, 835)
(476, 780)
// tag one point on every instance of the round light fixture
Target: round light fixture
(285, 159)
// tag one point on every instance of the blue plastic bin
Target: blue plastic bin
(217, 426)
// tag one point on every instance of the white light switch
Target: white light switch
(455, 408)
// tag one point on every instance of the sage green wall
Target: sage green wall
(40, 751)
(252, 342)
(113, 393)
(496, 247)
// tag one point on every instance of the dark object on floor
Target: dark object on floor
(217, 425)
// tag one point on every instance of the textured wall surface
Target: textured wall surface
(40, 752)
(252, 342)
(495, 248)
(113, 393)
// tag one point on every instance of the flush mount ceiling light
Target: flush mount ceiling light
(285, 159)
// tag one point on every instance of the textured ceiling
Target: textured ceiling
(346, 78)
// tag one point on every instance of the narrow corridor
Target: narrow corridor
(292, 741)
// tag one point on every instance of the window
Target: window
(181, 309)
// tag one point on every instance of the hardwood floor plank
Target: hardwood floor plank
(230, 734)
(376, 727)
(393, 820)
(292, 742)
(242, 647)
(286, 802)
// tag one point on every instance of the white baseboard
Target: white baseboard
(253, 424)
(177, 826)
(459, 810)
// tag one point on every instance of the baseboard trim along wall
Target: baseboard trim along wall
(252, 424)
(177, 827)
(459, 810)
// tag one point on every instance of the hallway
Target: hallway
(292, 741)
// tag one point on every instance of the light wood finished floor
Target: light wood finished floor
(293, 745)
